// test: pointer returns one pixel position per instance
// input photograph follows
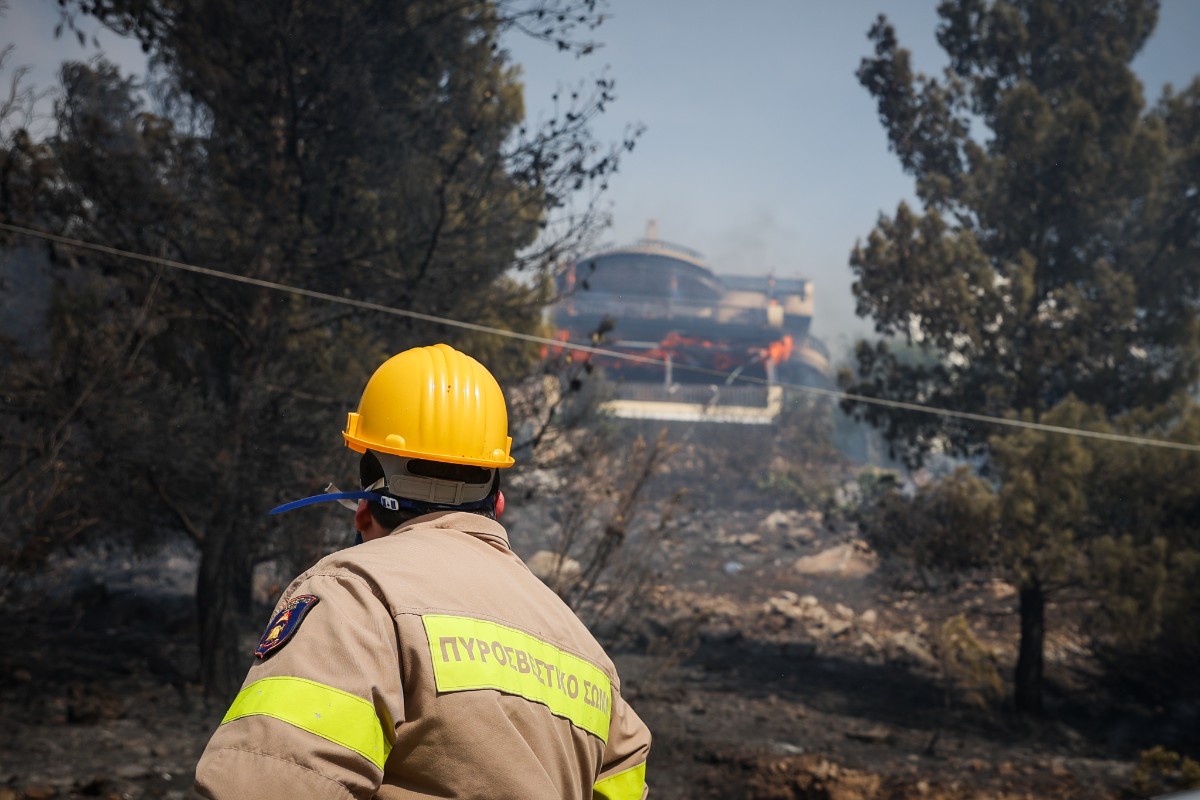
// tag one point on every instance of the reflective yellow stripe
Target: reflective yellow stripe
(625, 785)
(475, 654)
(340, 717)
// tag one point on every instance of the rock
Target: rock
(838, 627)
(809, 601)
(845, 612)
(876, 734)
(843, 560)
(39, 791)
(733, 567)
(817, 616)
(747, 539)
(553, 569)
(776, 521)
(868, 617)
(801, 535)
(132, 772)
(909, 646)
(784, 606)
(1001, 590)
(868, 642)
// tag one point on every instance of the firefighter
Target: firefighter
(427, 660)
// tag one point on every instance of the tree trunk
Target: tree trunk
(223, 594)
(1031, 659)
(224, 584)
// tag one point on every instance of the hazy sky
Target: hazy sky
(761, 149)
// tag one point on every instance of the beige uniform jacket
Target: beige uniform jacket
(432, 663)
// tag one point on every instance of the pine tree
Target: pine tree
(1055, 253)
(373, 150)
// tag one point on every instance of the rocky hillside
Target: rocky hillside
(771, 653)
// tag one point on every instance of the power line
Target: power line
(599, 351)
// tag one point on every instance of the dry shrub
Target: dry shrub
(611, 523)
(968, 668)
(1161, 770)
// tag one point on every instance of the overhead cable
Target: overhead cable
(591, 349)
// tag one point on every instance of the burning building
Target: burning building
(701, 346)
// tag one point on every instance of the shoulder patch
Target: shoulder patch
(284, 624)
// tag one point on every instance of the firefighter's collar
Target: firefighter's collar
(467, 522)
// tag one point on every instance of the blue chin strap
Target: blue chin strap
(385, 500)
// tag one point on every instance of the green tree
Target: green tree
(946, 526)
(1056, 251)
(1146, 555)
(371, 150)
(32, 478)
(1043, 518)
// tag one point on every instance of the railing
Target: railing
(655, 306)
(738, 405)
(714, 394)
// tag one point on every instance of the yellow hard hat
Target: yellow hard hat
(433, 403)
